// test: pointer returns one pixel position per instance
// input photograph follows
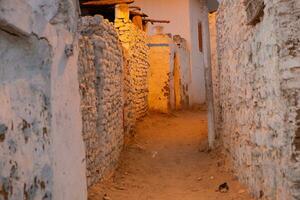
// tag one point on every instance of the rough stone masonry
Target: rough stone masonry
(136, 68)
(259, 93)
(101, 88)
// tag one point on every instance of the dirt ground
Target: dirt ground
(166, 161)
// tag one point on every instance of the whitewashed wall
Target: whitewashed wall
(41, 146)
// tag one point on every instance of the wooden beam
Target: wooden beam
(106, 2)
(138, 21)
(135, 8)
(137, 13)
(156, 21)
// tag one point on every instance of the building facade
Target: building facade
(189, 19)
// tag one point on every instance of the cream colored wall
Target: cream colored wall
(183, 59)
(199, 60)
(184, 17)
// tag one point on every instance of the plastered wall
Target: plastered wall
(215, 72)
(40, 121)
(170, 73)
(200, 60)
(101, 89)
(259, 95)
(182, 59)
(161, 57)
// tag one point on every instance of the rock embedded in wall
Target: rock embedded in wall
(3, 131)
(101, 87)
(259, 96)
(254, 10)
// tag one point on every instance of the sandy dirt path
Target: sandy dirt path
(165, 161)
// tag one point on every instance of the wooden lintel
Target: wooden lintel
(135, 8)
(137, 13)
(156, 21)
(106, 2)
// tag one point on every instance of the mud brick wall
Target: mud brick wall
(260, 94)
(41, 147)
(101, 88)
(136, 67)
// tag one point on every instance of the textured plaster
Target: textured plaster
(40, 116)
(259, 95)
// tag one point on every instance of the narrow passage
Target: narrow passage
(165, 161)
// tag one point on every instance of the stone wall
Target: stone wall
(101, 88)
(259, 94)
(42, 152)
(136, 67)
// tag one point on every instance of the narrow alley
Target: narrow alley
(149, 99)
(168, 159)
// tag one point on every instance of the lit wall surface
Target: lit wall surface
(184, 17)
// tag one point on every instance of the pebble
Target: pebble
(105, 197)
(241, 191)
